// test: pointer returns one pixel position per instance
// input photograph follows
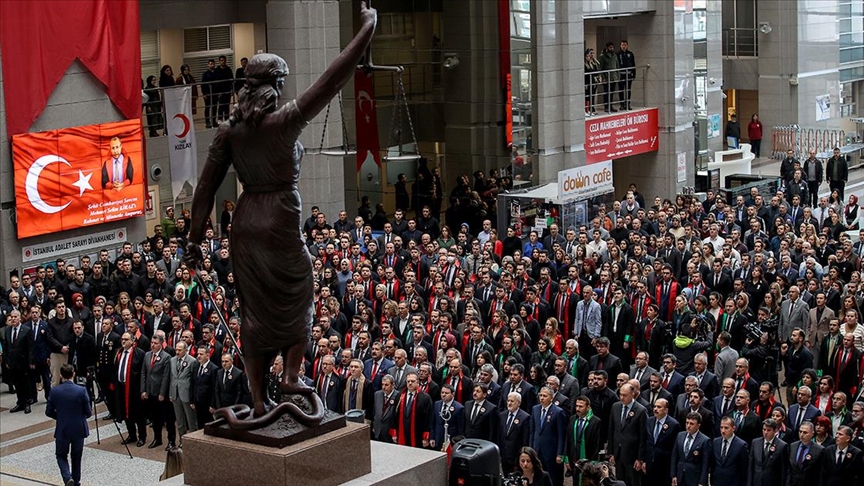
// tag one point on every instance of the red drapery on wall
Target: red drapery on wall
(39, 40)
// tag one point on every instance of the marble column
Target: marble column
(306, 35)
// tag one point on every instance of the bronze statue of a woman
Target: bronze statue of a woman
(272, 268)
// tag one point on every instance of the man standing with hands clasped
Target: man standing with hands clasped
(627, 437)
(69, 405)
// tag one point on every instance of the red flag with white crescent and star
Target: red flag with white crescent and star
(366, 123)
(78, 176)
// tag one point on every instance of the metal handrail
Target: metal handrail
(741, 42)
(418, 88)
(597, 86)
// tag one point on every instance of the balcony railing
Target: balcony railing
(602, 89)
(740, 42)
(421, 82)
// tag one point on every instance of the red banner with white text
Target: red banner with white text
(622, 135)
(40, 39)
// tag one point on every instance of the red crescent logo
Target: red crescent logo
(186, 125)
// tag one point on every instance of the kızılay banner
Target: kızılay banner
(79, 176)
(622, 135)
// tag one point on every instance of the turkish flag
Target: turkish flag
(65, 178)
(40, 39)
(366, 123)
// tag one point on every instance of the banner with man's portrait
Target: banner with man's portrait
(78, 176)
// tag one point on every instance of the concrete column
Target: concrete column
(559, 106)
(714, 36)
(306, 35)
(473, 96)
(664, 40)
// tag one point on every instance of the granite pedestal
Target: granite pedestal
(332, 458)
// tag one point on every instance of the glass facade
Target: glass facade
(851, 26)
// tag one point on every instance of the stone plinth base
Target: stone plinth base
(333, 458)
(391, 465)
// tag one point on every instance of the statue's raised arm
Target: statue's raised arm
(316, 97)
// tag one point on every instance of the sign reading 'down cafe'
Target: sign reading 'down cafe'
(586, 181)
(621, 135)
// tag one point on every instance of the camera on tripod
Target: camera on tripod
(754, 330)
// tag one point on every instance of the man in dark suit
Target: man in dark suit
(662, 430)
(696, 404)
(671, 380)
(42, 371)
(155, 376)
(385, 401)
(655, 391)
(20, 356)
(69, 405)
(329, 385)
(729, 460)
(413, 415)
(481, 415)
(514, 432)
(768, 454)
(691, 456)
(843, 465)
(127, 387)
(845, 369)
(82, 353)
(518, 384)
(805, 458)
(107, 344)
(117, 172)
(627, 436)
(801, 412)
(203, 385)
(705, 379)
(747, 423)
(455, 418)
(230, 385)
(376, 367)
(548, 427)
(619, 326)
(718, 281)
(640, 370)
(604, 360)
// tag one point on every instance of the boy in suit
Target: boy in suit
(453, 410)
(203, 385)
(69, 405)
(767, 464)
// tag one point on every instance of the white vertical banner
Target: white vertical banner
(182, 152)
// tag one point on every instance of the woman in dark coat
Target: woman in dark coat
(153, 107)
(260, 140)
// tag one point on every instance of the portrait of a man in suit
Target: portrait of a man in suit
(117, 172)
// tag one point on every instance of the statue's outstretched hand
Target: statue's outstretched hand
(194, 257)
(368, 14)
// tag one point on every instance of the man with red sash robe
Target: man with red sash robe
(127, 388)
(666, 291)
(413, 418)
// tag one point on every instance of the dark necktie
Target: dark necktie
(725, 448)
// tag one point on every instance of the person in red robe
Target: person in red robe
(412, 421)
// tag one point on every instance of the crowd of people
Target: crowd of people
(217, 85)
(659, 338)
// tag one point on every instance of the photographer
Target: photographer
(598, 474)
(761, 350)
